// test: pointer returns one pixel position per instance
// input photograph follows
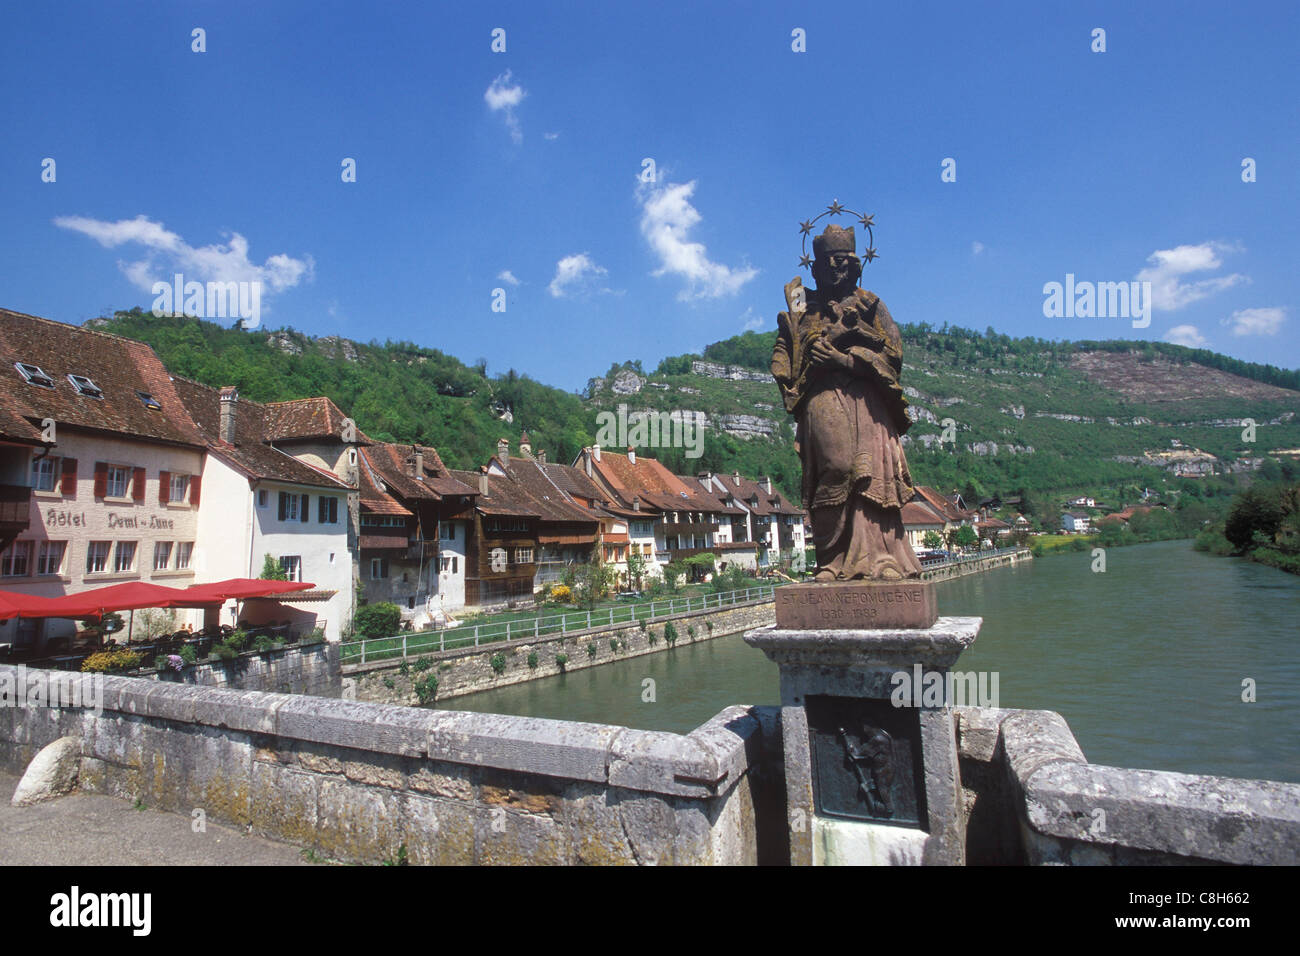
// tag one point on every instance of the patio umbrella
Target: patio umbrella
(240, 589)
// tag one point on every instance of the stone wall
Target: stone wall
(288, 670)
(980, 564)
(359, 782)
(468, 670)
(1033, 798)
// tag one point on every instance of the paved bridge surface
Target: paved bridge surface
(84, 829)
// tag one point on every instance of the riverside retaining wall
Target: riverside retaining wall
(313, 669)
(468, 670)
(978, 564)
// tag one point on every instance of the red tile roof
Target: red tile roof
(249, 453)
(305, 419)
(119, 367)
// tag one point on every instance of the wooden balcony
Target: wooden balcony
(15, 508)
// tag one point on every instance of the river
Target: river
(1146, 661)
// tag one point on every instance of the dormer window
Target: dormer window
(34, 375)
(149, 401)
(85, 386)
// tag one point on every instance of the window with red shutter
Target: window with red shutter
(137, 485)
(164, 487)
(101, 479)
(194, 490)
(68, 481)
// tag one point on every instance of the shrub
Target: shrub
(652, 637)
(709, 625)
(532, 659)
(426, 689)
(317, 636)
(172, 662)
(591, 649)
(561, 660)
(263, 643)
(389, 683)
(670, 633)
(237, 640)
(404, 668)
(613, 644)
(498, 663)
(223, 652)
(110, 661)
(378, 620)
(562, 594)
(189, 655)
(422, 664)
(690, 631)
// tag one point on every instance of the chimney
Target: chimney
(503, 451)
(419, 464)
(525, 445)
(767, 483)
(636, 504)
(586, 461)
(595, 453)
(706, 477)
(483, 482)
(735, 476)
(541, 455)
(631, 455)
(229, 396)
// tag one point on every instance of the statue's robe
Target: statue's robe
(848, 426)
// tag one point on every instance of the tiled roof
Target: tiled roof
(649, 480)
(504, 496)
(941, 504)
(306, 419)
(249, 453)
(553, 503)
(395, 465)
(920, 513)
(118, 367)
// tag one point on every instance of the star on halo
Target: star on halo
(867, 221)
(835, 208)
(805, 262)
(869, 254)
(805, 227)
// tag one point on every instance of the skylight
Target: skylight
(34, 375)
(85, 386)
(150, 402)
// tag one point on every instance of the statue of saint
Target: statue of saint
(837, 360)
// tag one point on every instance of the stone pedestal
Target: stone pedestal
(870, 746)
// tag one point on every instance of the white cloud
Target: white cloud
(753, 322)
(508, 277)
(1256, 321)
(667, 218)
(1169, 292)
(167, 253)
(976, 248)
(550, 136)
(1188, 335)
(502, 97)
(574, 274)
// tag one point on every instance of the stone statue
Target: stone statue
(837, 360)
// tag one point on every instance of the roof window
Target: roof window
(85, 386)
(34, 375)
(149, 401)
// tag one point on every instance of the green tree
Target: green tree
(271, 570)
(932, 540)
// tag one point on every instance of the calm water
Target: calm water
(1145, 661)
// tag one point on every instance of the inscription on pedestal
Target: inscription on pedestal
(857, 605)
(866, 761)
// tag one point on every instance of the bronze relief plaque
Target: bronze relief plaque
(866, 761)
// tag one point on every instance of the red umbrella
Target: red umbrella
(115, 597)
(239, 589)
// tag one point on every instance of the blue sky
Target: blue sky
(521, 170)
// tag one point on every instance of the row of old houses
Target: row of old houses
(113, 470)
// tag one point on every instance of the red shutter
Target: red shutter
(101, 479)
(164, 487)
(194, 490)
(137, 485)
(68, 481)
